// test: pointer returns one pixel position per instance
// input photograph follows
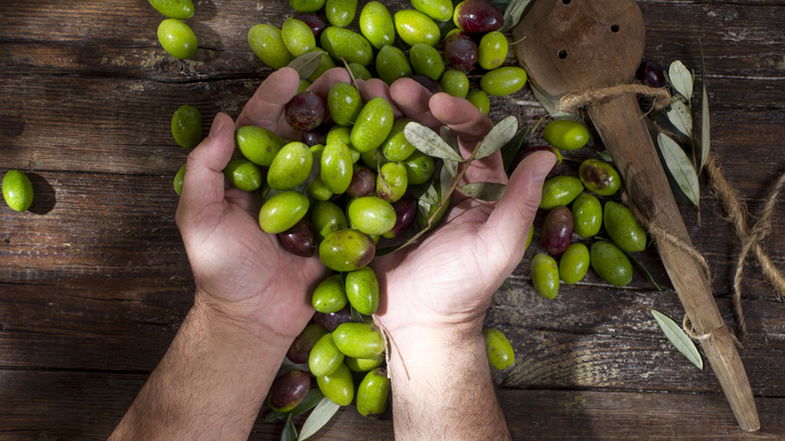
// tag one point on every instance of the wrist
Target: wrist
(430, 348)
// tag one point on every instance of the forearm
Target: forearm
(442, 388)
(209, 385)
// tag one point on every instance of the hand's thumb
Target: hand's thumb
(511, 219)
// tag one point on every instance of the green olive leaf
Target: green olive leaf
(288, 365)
(511, 149)
(320, 416)
(306, 64)
(547, 103)
(680, 167)
(499, 135)
(681, 79)
(430, 196)
(705, 117)
(312, 398)
(274, 416)
(429, 142)
(451, 166)
(606, 156)
(678, 338)
(680, 117)
(513, 14)
(445, 179)
(289, 432)
(450, 138)
(355, 314)
(484, 191)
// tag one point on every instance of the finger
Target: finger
(323, 84)
(412, 98)
(509, 223)
(461, 116)
(203, 184)
(266, 106)
(374, 88)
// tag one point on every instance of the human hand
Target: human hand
(445, 283)
(241, 272)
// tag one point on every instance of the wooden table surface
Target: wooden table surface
(94, 281)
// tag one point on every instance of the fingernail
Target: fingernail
(218, 125)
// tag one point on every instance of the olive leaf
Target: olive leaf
(678, 338)
(499, 135)
(680, 167)
(445, 179)
(431, 196)
(288, 365)
(605, 155)
(511, 149)
(320, 416)
(306, 64)
(429, 142)
(449, 136)
(355, 314)
(484, 191)
(289, 432)
(680, 117)
(705, 117)
(312, 398)
(547, 103)
(513, 14)
(681, 79)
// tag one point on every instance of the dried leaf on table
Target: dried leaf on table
(680, 167)
(678, 338)
(681, 79)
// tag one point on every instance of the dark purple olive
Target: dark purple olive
(289, 390)
(478, 16)
(313, 137)
(363, 182)
(313, 21)
(301, 346)
(427, 83)
(651, 74)
(300, 239)
(460, 51)
(330, 321)
(557, 231)
(405, 213)
(305, 111)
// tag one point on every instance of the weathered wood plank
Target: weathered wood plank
(48, 405)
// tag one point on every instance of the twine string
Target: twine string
(572, 101)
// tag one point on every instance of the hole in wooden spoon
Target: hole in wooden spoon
(562, 54)
(615, 28)
(566, 2)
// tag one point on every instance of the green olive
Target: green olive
(347, 250)
(282, 211)
(306, 5)
(545, 275)
(177, 38)
(480, 100)
(529, 237)
(426, 60)
(599, 177)
(267, 44)
(373, 124)
(243, 174)
(297, 37)
(340, 12)
(177, 183)
(391, 64)
(329, 295)
(371, 215)
(455, 83)
(392, 181)
(344, 102)
(327, 218)
(415, 27)
(499, 350)
(362, 290)
(17, 190)
(396, 147)
(336, 167)
(503, 81)
(258, 144)
(566, 134)
(291, 166)
(419, 168)
(372, 393)
(318, 190)
(373, 158)
(325, 63)
(325, 357)
(439, 10)
(363, 364)
(180, 9)
(574, 263)
(339, 134)
(187, 126)
(338, 386)
(359, 72)
(346, 44)
(622, 227)
(376, 24)
(492, 50)
(358, 340)
(587, 215)
(560, 190)
(611, 264)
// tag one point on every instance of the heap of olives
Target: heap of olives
(574, 209)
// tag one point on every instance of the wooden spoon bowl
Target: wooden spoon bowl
(573, 46)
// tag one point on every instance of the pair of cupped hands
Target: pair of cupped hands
(442, 284)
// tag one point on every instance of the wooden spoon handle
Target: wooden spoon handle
(624, 133)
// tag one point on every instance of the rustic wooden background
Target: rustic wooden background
(94, 281)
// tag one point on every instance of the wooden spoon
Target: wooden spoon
(578, 45)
